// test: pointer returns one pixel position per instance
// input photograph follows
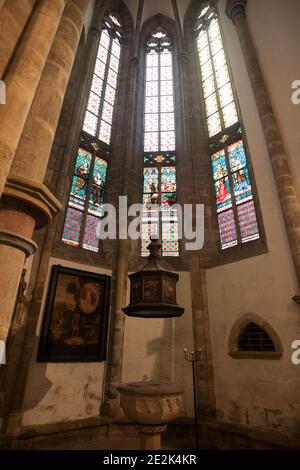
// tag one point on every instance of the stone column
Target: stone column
(236, 10)
(35, 144)
(23, 78)
(13, 18)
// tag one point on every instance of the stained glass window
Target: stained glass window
(159, 216)
(231, 177)
(85, 206)
(99, 112)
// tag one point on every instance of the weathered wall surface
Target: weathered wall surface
(261, 392)
(62, 392)
(153, 348)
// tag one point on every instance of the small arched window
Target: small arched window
(228, 156)
(86, 198)
(159, 146)
(252, 337)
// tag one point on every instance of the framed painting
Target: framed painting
(76, 317)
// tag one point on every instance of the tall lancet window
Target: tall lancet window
(159, 146)
(85, 206)
(232, 184)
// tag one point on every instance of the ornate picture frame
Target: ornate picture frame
(76, 315)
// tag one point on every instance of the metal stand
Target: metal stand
(194, 357)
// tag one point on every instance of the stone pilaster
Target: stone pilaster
(35, 144)
(24, 207)
(13, 18)
(285, 185)
(23, 77)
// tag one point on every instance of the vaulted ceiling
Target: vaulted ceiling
(152, 7)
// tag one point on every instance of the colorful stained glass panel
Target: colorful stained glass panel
(237, 156)
(242, 185)
(150, 180)
(247, 221)
(72, 227)
(223, 194)
(219, 168)
(227, 229)
(90, 239)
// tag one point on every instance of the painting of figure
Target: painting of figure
(76, 315)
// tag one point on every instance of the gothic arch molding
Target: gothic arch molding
(238, 327)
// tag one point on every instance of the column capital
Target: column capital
(36, 196)
(235, 6)
(15, 240)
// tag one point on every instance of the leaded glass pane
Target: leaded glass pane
(208, 86)
(105, 39)
(150, 180)
(219, 60)
(223, 194)
(151, 122)
(213, 30)
(237, 156)
(105, 132)
(211, 105)
(152, 74)
(226, 95)
(90, 123)
(100, 69)
(216, 45)
(230, 114)
(72, 227)
(102, 54)
(206, 70)
(167, 141)
(166, 104)
(114, 63)
(94, 103)
(170, 239)
(204, 55)
(167, 122)
(112, 78)
(227, 229)
(110, 94)
(166, 59)
(148, 230)
(248, 222)
(168, 179)
(97, 85)
(151, 104)
(152, 89)
(107, 112)
(116, 48)
(166, 87)
(152, 59)
(222, 76)
(214, 124)
(166, 73)
(202, 40)
(219, 168)
(242, 185)
(90, 239)
(151, 141)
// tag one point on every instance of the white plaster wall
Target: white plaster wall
(62, 392)
(153, 348)
(261, 392)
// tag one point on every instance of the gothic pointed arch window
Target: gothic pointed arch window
(85, 205)
(233, 188)
(159, 192)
